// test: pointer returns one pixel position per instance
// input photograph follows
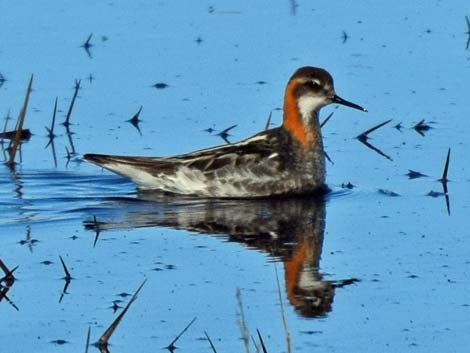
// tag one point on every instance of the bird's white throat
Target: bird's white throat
(309, 107)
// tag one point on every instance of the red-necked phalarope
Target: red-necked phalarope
(287, 160)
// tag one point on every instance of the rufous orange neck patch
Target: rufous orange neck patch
(293, 268)
(292, 119)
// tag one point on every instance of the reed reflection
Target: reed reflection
(290, 230)
(6, 283)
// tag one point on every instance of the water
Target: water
(391, 272)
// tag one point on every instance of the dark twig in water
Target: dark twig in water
(375, 149)
(210, 130)
(447, 198)
(444, 181)
(5, 126)
(67, 277)
(210, 342)
(3, 295)
(345, 37)
(412, 174)
(50, 131)
(4, 267)
(433, 193)
(422, 127)
(70, 139)
(160, 85)
(364, 136)
(54, 155)
(327, 118)
(116, 306)
(254, 343)
(327, 156)
(27, 241)
(171, 347)
(261, 341)
(2, 80)
(446, 168)
(87, 45)
(224, 133)
(51, 135)
(8, 281)
(103, 341)
(67, 157)
(15, 142)
(242, 322)
(96, 226)
(66, 123)
(9, 278)
(7, 119)
(284, 322)
(87, 344)
(268, 122)
(64, 290)
(135, 120)
(348, 185)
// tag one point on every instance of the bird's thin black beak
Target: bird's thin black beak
(339, 100)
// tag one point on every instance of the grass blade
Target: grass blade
(171, 347)
(103, 341)
(14, 143)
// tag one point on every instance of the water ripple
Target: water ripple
(45, 196)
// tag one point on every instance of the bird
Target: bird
(288, 160)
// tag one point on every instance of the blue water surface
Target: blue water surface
(393, 250)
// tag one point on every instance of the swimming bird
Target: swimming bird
(283, 161)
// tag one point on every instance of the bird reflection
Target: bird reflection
(290, 230)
